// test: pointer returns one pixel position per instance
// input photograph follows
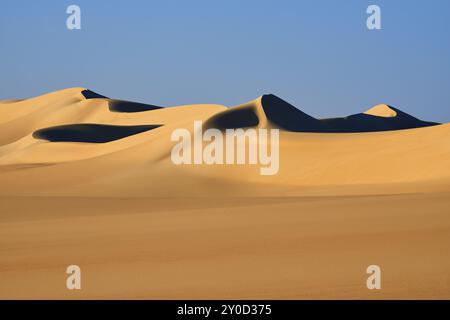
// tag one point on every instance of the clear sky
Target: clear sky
(316, 54)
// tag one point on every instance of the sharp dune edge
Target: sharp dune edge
(88, 180)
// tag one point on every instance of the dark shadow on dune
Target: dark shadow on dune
(120, 105)
(128, 106)
(362, 122)
(288, 117)
(87, 132)
(232, 119)
(88, 94)
(281, 114)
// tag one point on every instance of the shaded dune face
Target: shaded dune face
(120, 105)
(285, 116)
(233, 119)
(88, 94)
(90, 133)
(268, 110)
(363, 122)
(128, 106)
(274, 112)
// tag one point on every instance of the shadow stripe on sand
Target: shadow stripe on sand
(116, 105)
(89, 132)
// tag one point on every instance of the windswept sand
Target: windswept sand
(141, 227)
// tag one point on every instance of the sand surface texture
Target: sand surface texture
(89, 180)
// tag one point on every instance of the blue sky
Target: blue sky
(316, 54)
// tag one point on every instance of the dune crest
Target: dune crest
(270, 111)
(77, 128)
(381, 110)
(267, 111)
(116, 105)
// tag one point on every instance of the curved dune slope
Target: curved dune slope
(22, 118)
(116, 105)
(283, 115)
(266, 111)
(24, 123)
(271, 111)
(100, 150)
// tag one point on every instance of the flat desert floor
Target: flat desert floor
(236, 248)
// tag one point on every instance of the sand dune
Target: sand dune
(271, 111)
(267, 111)
(119, 105)
(88, 180)
(379, 118)
(382, 110)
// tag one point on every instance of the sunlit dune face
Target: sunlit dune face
(382, 110)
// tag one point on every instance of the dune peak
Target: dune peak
(382, 110)
(89, 94)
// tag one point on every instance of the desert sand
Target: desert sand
(88, 180)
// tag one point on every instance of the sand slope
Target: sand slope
(88, 180)
(272, 111)
(401, 160)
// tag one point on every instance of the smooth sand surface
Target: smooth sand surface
(141, 227)
(381, 110)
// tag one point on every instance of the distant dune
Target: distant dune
(88, 180)
(379, 118)
(267, 111)
(91, 128)
(271, 111)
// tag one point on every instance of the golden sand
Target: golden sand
(141, 227)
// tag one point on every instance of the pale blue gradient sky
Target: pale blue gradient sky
(316, 54)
